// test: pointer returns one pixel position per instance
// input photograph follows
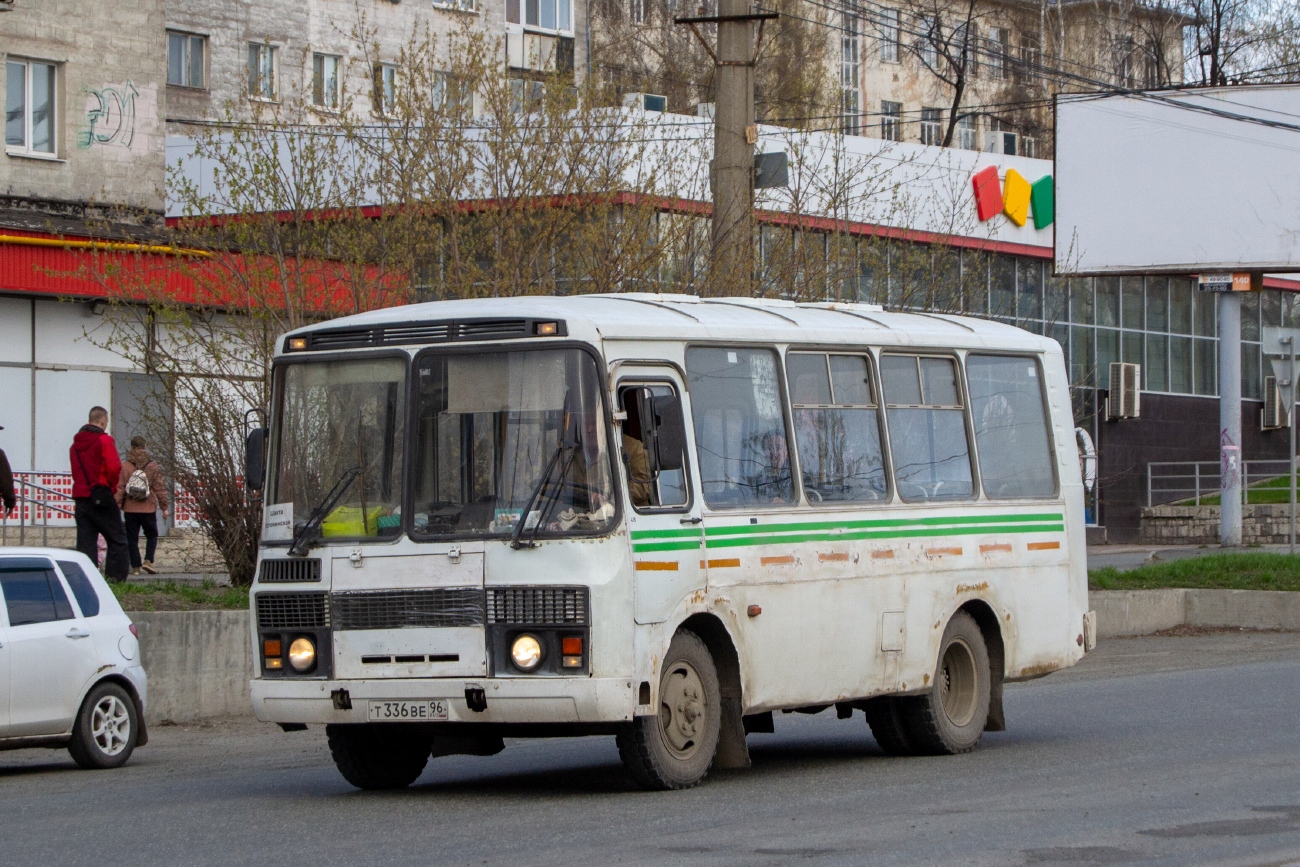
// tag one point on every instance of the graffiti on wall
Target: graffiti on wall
(110, 116)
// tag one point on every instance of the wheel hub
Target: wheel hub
(958, 683)
(110, 725)
(682, 708)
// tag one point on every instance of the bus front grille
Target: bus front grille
(541, 606)
(287, 571)
(292, 611)
(396, 609)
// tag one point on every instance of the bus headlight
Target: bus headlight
(302, 654)
(526, 652)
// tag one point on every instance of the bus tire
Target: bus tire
(888, 726)
(674, 748)
(950, 718)
(373, 756)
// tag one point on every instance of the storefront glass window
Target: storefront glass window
(1180, 305)
(1206, 367)
(1029, 292)
(1157, 366)
(1108, 301)
(1081, 301)
(1157, 303)
(1180, 365)
(1131, 289)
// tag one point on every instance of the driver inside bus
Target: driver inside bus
(585, 486)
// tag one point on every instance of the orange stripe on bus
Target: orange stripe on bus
(1043, 546)
(940, 552)
(883, 555)
(656, 566)
(988, 549)
(836, 557)
(725, 564)
(787, 560)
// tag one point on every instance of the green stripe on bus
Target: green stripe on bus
(687, 545)
(916, 532)
(741, 529)
(686, 532)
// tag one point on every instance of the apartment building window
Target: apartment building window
(326, 81)
(889, 27)
(967, 135)
(927, 30)
(450, 93)
(385, 95)
(1028, 146)
(30, 108)
(966, 36)
(458, 5)
(850, 92)
(891, 121)
(637, 11)
(1031, 54)
(1001, 140)
(996, 47)
(931, 126)
(263, 71)
(554, 14)
(186, 59)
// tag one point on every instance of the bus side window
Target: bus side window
(650, 485)
(927, 427)
(740, 427)
(1006, 399)
(836, 427)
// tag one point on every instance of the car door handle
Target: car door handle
(74, 632)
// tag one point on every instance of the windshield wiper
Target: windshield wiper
(304, 535)
(568, 442)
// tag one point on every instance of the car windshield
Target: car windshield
(340, 423)
(498, 431)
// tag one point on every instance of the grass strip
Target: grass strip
(173, 596)
(1256, 571)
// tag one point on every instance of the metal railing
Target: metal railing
(1176, 481)
(31, 509)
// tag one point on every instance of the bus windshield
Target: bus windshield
(500, 433)
(342, 423)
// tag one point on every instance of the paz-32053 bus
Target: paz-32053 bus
(661, 518)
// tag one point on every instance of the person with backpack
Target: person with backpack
(96, 471)
(141, 492)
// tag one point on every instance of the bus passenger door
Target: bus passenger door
(663, 516)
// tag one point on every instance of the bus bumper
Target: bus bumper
(508, 700)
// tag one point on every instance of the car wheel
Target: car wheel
(106, 730)
(674, 749)
(378, 755)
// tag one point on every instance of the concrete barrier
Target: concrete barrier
(198, 663)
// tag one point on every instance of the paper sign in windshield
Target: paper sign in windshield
(277, 522)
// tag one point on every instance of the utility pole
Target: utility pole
(1230, 482)
(734, 135)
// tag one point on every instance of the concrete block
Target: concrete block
(198, 662)
(1137, 612)
(1248, 609)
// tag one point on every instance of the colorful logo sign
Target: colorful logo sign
(1015, 197)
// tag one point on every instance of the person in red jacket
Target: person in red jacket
(96, 469)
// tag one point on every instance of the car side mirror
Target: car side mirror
(670, 432)
(255, 458)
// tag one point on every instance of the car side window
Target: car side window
(33, 594)
(87, 598)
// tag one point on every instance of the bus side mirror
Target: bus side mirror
(670, 432)
(255, 458)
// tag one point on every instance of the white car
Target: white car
(70, 673)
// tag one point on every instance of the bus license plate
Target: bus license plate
(408, 711)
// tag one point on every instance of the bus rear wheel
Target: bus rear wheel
(377, 756)
(950, 718)
(674, 748)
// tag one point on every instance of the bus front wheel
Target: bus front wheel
(673, 749)
(378, 756)
(950, 718)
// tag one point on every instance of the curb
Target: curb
(1141, 612)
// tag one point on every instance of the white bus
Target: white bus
(662, 518)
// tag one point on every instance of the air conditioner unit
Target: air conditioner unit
(1124, 400)
(646, 101)
(1274, 414)
(705, 109)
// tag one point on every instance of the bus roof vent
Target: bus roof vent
(342, 338)
(488, 329)
(417, 332)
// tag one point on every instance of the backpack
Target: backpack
(137, 485)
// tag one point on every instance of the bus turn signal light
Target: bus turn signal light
(571, 652)
(271, 647)
(547, 329)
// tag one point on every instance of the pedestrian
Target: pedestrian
(7, 496)
(141, 492)
(96, 471)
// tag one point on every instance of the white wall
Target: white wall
(63, 400)
(16, 416)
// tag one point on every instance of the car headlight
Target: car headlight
(526, 652)
(302, 654)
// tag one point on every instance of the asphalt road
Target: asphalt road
(1154, 750)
